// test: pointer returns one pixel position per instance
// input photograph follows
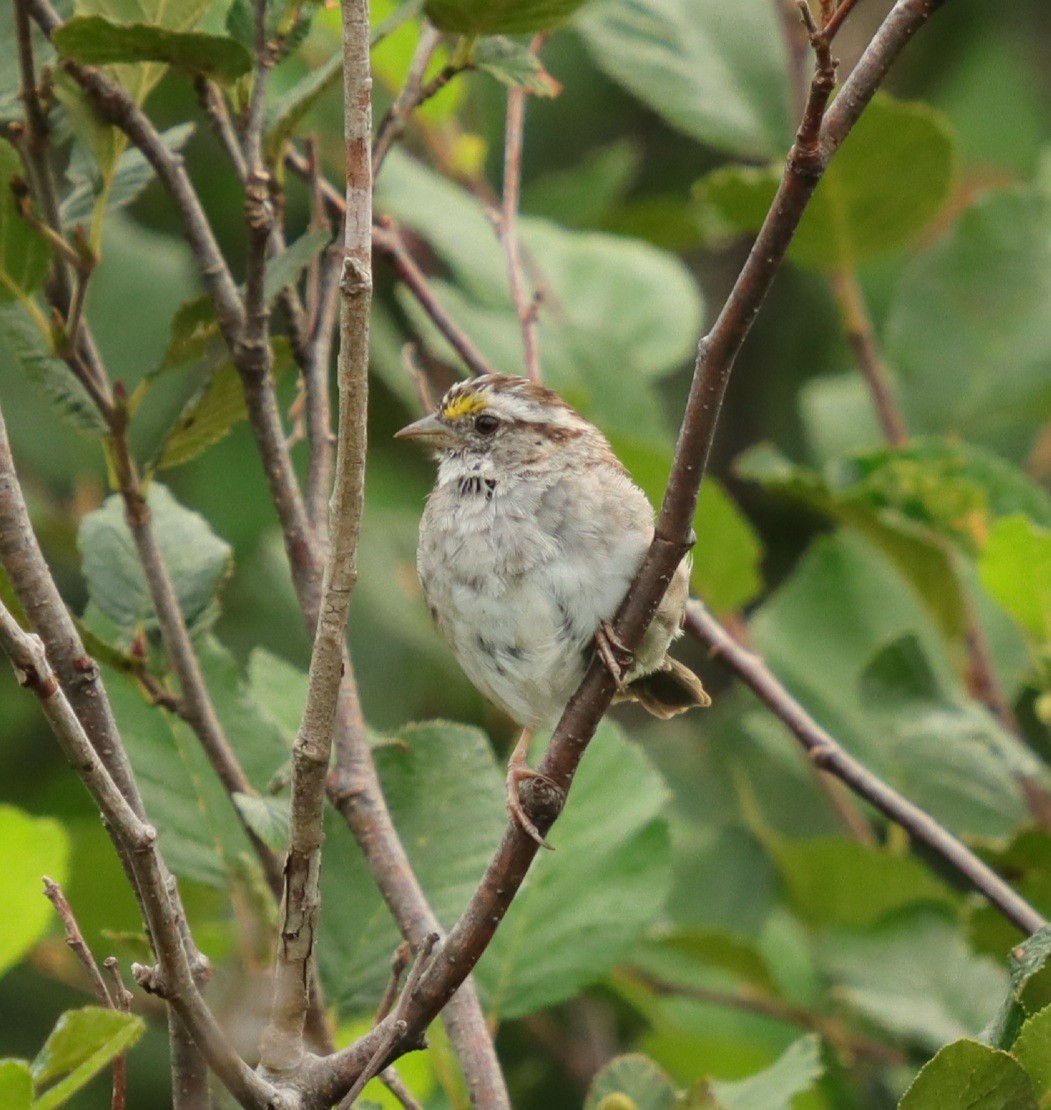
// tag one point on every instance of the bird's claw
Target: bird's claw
(617, 658)
(516, 775)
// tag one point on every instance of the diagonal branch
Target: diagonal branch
(818, 138)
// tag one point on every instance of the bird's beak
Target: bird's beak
(430, 429)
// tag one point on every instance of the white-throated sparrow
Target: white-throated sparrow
(531, 536)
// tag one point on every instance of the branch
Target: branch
(175, 980)
(76, 942)
(282, 1043)
(829, 756)
(411, 96)
(525, 304)
(213, 103)
(387, 238)
(818, 138)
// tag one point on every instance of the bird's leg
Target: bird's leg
(518, 770)
(618, 659)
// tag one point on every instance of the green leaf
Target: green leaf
(796, 1071)
(719, 75)
(614, 310)
(584, 905)
(31, 847)
(832, 881)
(16, 1085)
(200, 833)
(194, 334)
(284, 269)
(206, 419)
(968, 331)
(446, 798)
(584, 194)
(635, 1078)
(914, 976)
(1015, 568)
(279, 690)
(886, 185)
(1032, 1050)
(820, 645)
(267, 817)
(31, 353)
(970, 1076)
(82, 1043)
(515, 65)
(25, 256)
(287, 112)
(727, 556)
(96, 40)
(499, 17)
(1027, 959)
(197, 562)
(132, 174)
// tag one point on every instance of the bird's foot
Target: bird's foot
(519, 771)
(617, 658)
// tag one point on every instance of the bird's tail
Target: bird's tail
(669, 691)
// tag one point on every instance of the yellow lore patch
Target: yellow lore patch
(464, 405)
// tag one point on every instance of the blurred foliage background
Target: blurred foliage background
(705, 906)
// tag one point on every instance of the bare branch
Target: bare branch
(213, 103)
(830, 757)
(282, 1044)
(525, 303)
(387, 238)
(77, 944)
(411, 96)
(174, 980)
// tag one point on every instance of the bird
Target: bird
(529, 540)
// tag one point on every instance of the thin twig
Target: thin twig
(830, 757)
(253, 130)
(387, 238)
(122, 999)
(399, 962)
(410, 97)
(396, 1027)
(857, 325)
(831, 1030)
(396, 1085)
(213, 103)
(835, 20)
(525, 303)
(76, 942)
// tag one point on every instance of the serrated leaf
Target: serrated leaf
(267, 817)
(97, 40)
(1032, 1050)
(634, 1078)
(284, 269)
(914, 976)
(286, 113)
(82, 1043)
(194, 334)
(515, 65)
(967, 1075)
(584, 905)
(797, 1070)
(197, 562)
(717, 73)
(1026, 960)
(885, 186)
(131, 175)
(820, 646)
(25, 256)
(206, 419)
(16, 1085)
(34, 359)
(31, 847)
(1015, 567)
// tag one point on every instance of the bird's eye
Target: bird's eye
(485, 423)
